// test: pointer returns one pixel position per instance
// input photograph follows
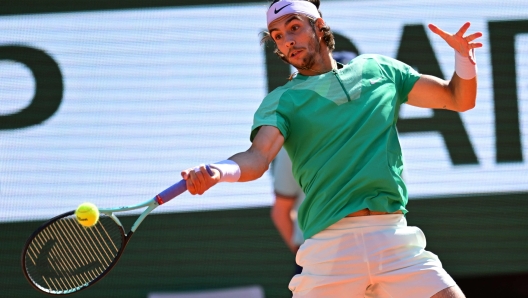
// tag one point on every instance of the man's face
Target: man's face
(296, 39)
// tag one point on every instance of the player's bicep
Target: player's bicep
(431, 92)
(267, 142)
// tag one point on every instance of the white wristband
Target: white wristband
(464, 68)
(229, 170)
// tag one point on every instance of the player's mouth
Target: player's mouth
(295, 53)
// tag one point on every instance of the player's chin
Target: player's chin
(298, 63)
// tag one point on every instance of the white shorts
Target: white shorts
(369, 256)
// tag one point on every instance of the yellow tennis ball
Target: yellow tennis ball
(87, 214)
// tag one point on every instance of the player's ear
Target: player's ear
(319, 24)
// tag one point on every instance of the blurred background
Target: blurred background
(107, 101)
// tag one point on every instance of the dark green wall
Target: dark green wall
(473, 236)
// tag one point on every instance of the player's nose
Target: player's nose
(290, 42)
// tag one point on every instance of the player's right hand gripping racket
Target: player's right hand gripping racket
(62, 257)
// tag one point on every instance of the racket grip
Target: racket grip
(175, 190)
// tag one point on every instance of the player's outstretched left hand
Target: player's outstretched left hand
(462, 44)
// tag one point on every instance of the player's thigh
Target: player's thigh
(412, 272)
(334, 289)
(451, 292)
(416, 283)
(333, 266)
(401, 264)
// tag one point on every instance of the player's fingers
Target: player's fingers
(194, 181)
(438, 31)
(473, 36)
(475, 45)
(205, 173)
(200, 176)
(463, 29)
(198, 172)
(190, 186)
(185, 173)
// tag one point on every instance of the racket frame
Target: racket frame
(150, 204)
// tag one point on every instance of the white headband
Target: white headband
(284, 7)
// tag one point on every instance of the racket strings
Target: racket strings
(65, 256)
(64, 262)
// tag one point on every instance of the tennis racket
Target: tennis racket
(62, 257)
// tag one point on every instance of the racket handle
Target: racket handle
(175, 190)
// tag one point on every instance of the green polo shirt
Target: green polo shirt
(340, 133)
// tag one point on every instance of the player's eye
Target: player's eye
(295, 27)
(277, 36)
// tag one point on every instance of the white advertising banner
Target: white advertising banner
(143, 94)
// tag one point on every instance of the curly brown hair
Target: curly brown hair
(328, 36)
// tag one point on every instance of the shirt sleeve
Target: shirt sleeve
(272, 111)
(403, 76)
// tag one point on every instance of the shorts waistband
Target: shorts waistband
(369, 221)
(367, 212)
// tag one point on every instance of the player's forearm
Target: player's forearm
(244, 166)
(252, 165)
(431, 92)
(464, 92)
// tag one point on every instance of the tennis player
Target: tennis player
(338, 125)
